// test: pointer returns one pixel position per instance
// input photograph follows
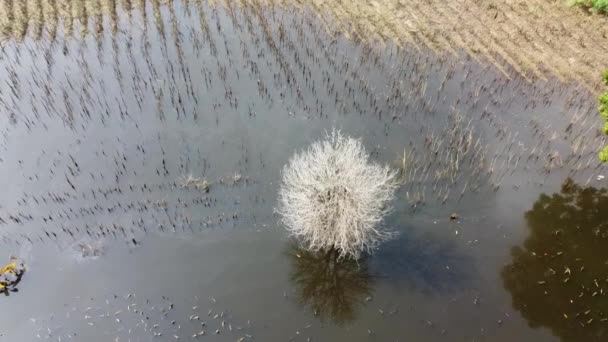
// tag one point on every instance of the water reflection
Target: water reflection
(559, 277)
(331, 287)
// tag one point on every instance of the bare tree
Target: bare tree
(333, 196)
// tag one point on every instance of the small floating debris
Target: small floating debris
(90, 249)
(10, 275)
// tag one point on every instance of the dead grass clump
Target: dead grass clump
(191, 182)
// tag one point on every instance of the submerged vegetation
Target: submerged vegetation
(334, 197)
(515, 36)
(559, 277)
(455, 151)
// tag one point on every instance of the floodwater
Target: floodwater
(101, 128)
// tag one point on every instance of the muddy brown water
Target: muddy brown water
(97, 133)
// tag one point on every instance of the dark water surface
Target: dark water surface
(99, 131)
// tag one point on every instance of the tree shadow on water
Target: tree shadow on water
(333, 288)
(423, 263)
(558, 278)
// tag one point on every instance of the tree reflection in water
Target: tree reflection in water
(331, 287)
(559, 278)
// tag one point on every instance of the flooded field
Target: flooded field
(141, 153)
